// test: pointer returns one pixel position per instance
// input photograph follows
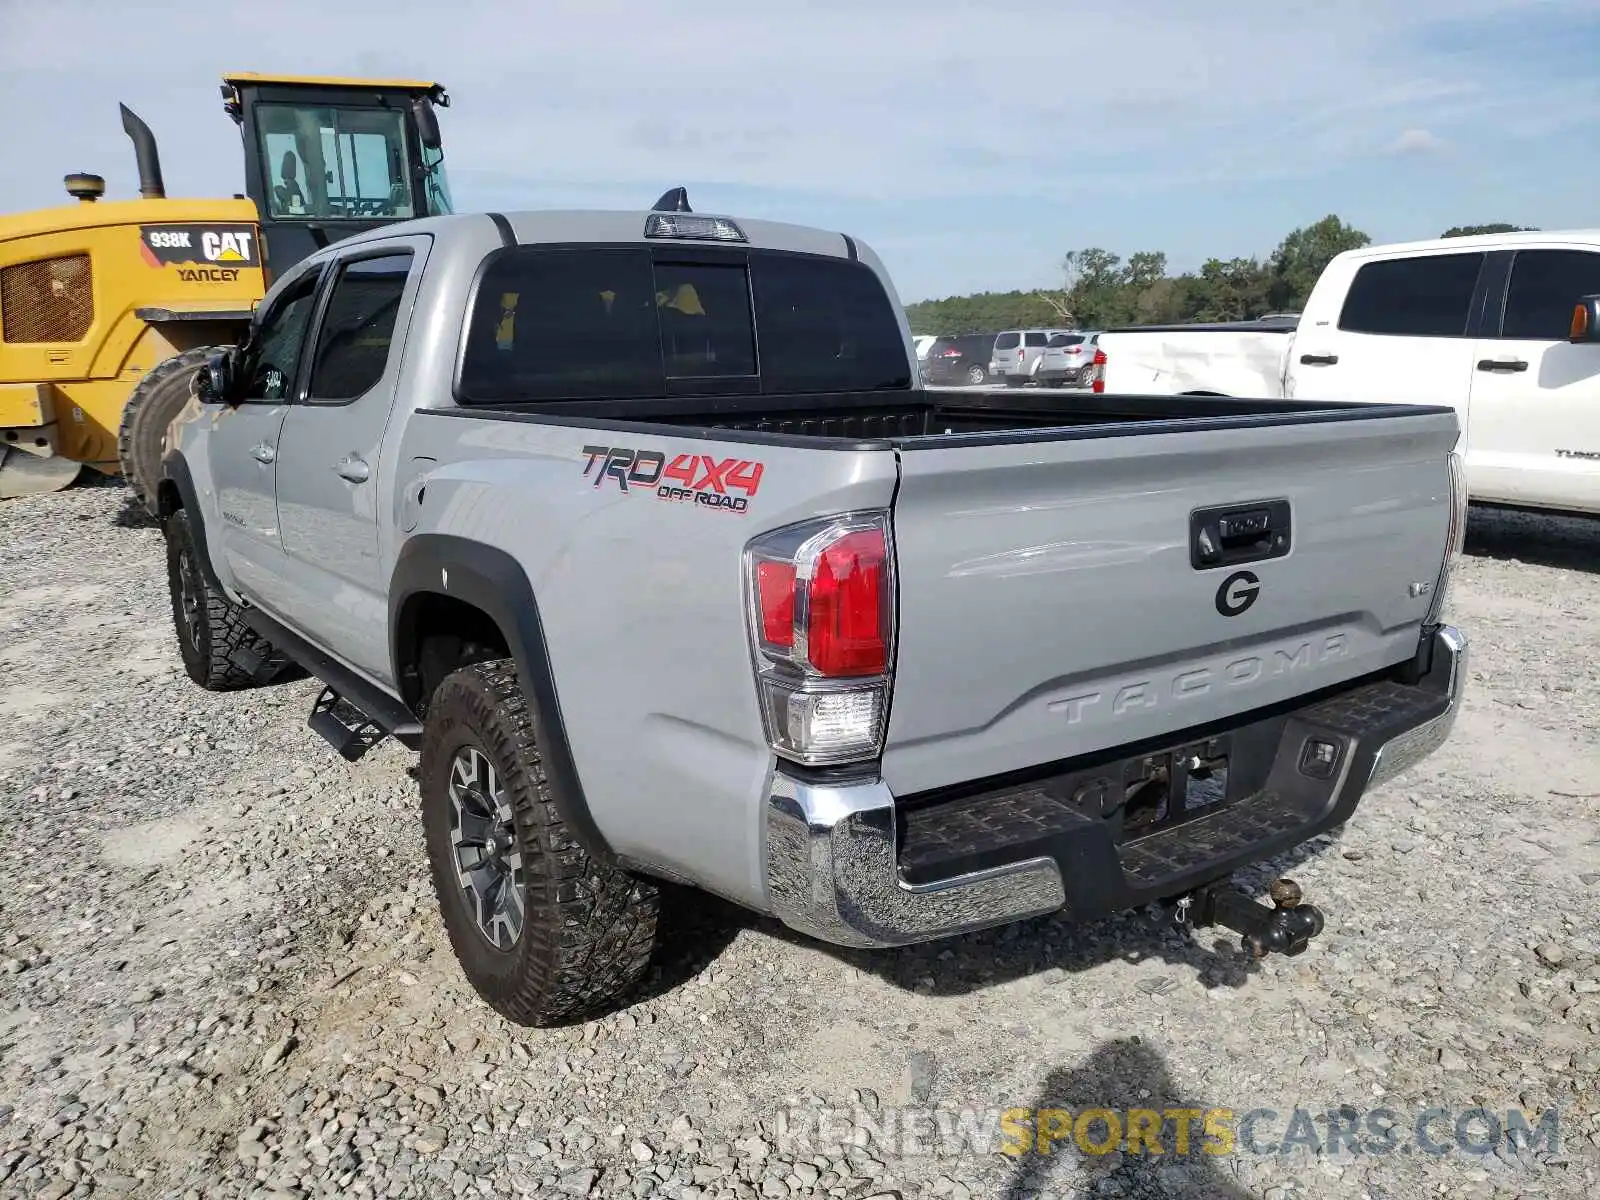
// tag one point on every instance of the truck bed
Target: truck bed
(922, 416)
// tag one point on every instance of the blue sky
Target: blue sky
(970, 144)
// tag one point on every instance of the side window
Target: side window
(706, 328)
(275, 350)
(1035, 339)
(358, 328)
(563, 325)
(1545, 284)
(1007, 341)
(1427, 296)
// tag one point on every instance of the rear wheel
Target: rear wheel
(154, 402)
(1015, 381)
(544, 933)
(976, 375)
(220, 652)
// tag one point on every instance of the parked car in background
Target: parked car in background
(1066, 361)
(1504, 328)
(1015, 351)
(963, 359)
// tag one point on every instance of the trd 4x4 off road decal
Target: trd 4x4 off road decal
(202, 253)
(692, 478)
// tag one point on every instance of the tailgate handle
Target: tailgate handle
(1238, 533)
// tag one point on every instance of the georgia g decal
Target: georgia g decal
(1238, 592)
(697, 479)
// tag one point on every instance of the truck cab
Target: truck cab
(328, 157)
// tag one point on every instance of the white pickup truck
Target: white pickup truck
(1505, 328)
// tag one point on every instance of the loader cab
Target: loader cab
(326, 158)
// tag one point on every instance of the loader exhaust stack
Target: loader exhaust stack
(144, 149)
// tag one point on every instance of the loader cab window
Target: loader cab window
(327, 163)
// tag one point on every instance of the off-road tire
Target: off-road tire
(588, 929)
(220, 652)
(154, 402)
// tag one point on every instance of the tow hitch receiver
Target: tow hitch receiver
(1286, 928)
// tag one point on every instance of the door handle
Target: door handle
(1502, 364)
(1318, 360)
(354, 468)
(263, 453)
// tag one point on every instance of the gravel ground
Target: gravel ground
(222, 972)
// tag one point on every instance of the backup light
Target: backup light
(692, 226)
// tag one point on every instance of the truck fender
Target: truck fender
(176, 491)
(493, 582)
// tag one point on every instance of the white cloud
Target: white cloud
(1416, 141)
(885, 101)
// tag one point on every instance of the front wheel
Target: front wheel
(220, 651)
(544, 933)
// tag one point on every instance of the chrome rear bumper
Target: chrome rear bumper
(832, 849)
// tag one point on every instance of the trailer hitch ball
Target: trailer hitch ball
(1286, 928)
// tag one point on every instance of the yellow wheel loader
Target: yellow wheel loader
(108, 308)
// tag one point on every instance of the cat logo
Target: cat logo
(228, 246)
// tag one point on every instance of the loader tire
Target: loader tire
(154, 402)
(544, 933)
(220, 652)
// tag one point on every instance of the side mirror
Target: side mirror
(214, 384)
(427, 122)
(1585, 327)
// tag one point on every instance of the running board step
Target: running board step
(343, 726)
(352, 714)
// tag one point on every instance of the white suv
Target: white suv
(1015, 352)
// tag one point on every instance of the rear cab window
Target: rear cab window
(1008, 341)
(1034, 338)
(1064, 339)
(625, 322)
(1423, 296)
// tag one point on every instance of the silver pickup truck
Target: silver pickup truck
(639, 528)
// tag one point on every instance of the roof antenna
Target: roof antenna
(673, 200)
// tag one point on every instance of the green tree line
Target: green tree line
(1101, 290)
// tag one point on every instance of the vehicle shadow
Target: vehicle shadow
(133, 514)
(978, 961)
(1121, 1075)
(1545, 539)
(693, 930)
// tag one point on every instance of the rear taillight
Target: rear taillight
(1099, 369)
(1455, 538)
(821, 616)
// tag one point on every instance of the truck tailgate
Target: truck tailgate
(1050, 604)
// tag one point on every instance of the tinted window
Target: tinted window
(358, 327)
(824, 325)
(271, 357)
(1008, 341)
(1423, 297)
(977, 344)
(1035, 339)
(1545, 284)
(560, 324)
(705, 320)
(604, 323)
(1065, 339)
